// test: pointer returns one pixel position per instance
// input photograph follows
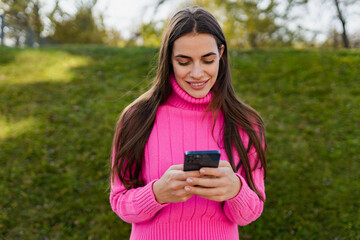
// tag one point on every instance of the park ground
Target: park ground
(58, 111)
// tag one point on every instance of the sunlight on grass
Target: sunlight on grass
(14, 129)
(41, 66)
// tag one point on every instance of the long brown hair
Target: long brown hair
(136, 121)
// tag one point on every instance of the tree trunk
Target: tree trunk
(30, 37)
(252, 40)
(343, 23)
(2, 30)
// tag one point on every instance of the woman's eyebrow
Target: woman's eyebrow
(206, 55)
(182, 56)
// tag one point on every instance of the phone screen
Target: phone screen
(194, 160)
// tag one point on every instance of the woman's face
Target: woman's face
(195, 59)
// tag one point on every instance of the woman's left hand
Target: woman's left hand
(218, 184)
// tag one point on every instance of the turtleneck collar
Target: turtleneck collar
(181, 99)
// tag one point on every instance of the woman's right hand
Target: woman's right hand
(170, 188)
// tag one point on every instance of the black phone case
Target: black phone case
(194, 160)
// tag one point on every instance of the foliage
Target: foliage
(114, 38)
(26, 26)
(151, 33)
(80, 28)
(249, 23)
(23, 20)
(257, 24)
(265, 23)
(342, 10)
(58, 111)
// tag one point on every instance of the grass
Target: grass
(59, 107)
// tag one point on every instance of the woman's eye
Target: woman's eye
(209, 62)
(183, 63)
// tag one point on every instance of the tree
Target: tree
(248, 23)
(35, 19)
(16, 19)
(150, 33)
(343, 24)
(340, 12)
(113, 38)
(80, 28)
(2, 29)
(23, 20)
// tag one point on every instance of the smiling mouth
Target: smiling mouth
(197, 84)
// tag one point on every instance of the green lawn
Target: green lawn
(59, 106)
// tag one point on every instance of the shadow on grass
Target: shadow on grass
(55, 150)
(54, 173)
(7, 55)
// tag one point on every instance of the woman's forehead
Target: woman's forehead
(195, 44)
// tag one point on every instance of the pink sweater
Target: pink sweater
(181, 125)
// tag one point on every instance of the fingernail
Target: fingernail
(202, 171)
(187, 189)
(189, 180)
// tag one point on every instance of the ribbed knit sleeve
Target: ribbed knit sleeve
(246, 207)
(135, 205)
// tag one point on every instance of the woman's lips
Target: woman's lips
(197, 85)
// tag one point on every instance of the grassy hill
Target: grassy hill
(59, 107)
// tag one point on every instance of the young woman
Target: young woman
(191, 106)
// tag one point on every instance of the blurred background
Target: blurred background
(248, 24)
(68, 68)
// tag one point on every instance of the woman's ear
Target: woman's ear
(221, 50)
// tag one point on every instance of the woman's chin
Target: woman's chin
(198, 94)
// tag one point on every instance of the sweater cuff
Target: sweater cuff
(242, 199)
(146, 197)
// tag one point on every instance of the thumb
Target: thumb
(177, 167)
(223, 163)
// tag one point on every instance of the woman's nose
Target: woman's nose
(197, 71)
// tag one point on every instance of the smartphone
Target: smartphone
(194, 160)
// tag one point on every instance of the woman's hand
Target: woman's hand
(218, 184)
(171, 186)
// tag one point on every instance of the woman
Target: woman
(191, 106)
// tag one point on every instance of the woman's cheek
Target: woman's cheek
(181, 72)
